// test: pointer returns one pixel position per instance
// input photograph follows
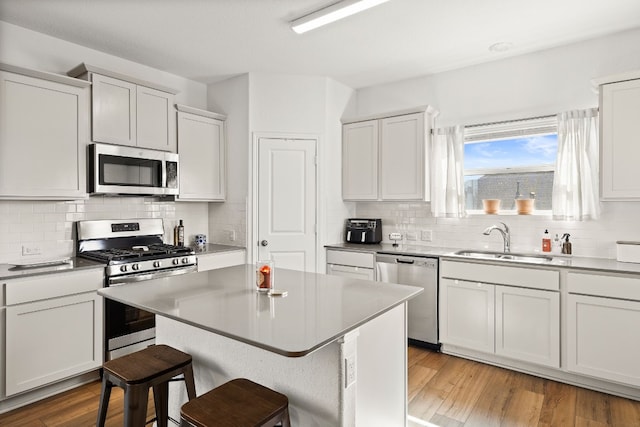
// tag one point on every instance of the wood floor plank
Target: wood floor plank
(419, 376)
(593, 406)
(466, 392)
(523, 408)
(489, 409)
(559, 406)
(624, 412)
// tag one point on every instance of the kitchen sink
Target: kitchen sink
(504, 256)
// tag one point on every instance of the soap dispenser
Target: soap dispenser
(566, 245)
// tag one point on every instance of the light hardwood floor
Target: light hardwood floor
(443, 391)
(448, 391)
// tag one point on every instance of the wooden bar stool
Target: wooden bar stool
(153, 367)
(237, 403)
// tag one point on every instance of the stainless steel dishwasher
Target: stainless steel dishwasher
(423, 309)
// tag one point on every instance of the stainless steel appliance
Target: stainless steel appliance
(423, 309)
(358, 230)
(133, 250)
(116, 169)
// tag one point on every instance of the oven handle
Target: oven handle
(120, 280)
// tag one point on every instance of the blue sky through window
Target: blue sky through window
(509, 153)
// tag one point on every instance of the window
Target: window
(510, 160)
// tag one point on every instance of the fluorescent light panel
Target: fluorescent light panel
(331, 14)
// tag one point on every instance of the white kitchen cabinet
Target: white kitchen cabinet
(360, 160)
(53, 328)
(467, 316)
(43, 135)
(603, 314)
(528, 325)
(202, 150)
(358, 265)
(511, 312)
(619, 148)
(386, 158)
(128, 111)
(403, 163)
(215, 260)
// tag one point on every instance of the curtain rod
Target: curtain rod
(511, 121)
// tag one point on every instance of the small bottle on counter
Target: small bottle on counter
(556, 245)
(178, 234)
(546, 241)
(566, 245)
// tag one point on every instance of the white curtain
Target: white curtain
(576, 183)
(447, 185)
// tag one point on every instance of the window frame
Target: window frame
(512, 129)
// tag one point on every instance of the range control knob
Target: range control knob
(123, 268)
(175, 261)
(185, 260)
(157, 264)
(135, 267)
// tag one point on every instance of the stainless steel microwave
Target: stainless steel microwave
(116, 169)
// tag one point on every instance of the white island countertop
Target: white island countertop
(317, 310)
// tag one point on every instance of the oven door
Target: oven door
(127, 329)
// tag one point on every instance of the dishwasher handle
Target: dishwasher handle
(405, 261)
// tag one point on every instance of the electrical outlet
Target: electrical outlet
(31, 250)
(426, 235)
(349, 370)
(395, 236)
(412, 235)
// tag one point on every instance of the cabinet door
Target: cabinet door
(619, 148)
(43, 133)
(155, 119)
(360, 161)
(402, 158)
(602, 338)
(202, 150)
(528, 325)
(467, 314)
(113, 110)
(52, 339)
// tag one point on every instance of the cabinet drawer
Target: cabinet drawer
(501, 275)
(18, 291)
(356, 259)
(607, 286)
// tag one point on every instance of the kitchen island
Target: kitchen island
(335, 346)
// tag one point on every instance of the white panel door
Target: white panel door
(603, 339)
(467, 314)
(156, 117)
(113, 110)
(528, 325)
(402, 158)
(287, 202)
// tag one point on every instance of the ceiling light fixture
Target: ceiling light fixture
(332, 13)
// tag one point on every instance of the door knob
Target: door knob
(264, 243)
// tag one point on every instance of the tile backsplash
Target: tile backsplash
(46, 229)
(596, 238)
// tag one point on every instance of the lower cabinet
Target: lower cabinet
(511, 321)
(358, 265)
(53, 329)
(602, 332)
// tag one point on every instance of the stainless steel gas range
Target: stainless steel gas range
(132, 250)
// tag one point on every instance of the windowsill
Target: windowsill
(480, 212)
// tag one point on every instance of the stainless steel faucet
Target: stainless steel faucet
(505, 235)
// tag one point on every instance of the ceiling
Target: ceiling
(210, 40)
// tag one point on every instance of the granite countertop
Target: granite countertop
(36, 268)
(563, 261)
(317, 310)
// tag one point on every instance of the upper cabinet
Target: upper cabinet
(386, 158)
(43, 135)
(128, 111)
(202, 150)
(619, 130)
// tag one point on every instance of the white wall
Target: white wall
(49, 225)
(539, 83)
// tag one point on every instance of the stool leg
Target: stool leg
(161, 400)
(105, 394)
(189, 382)
(135, 405)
